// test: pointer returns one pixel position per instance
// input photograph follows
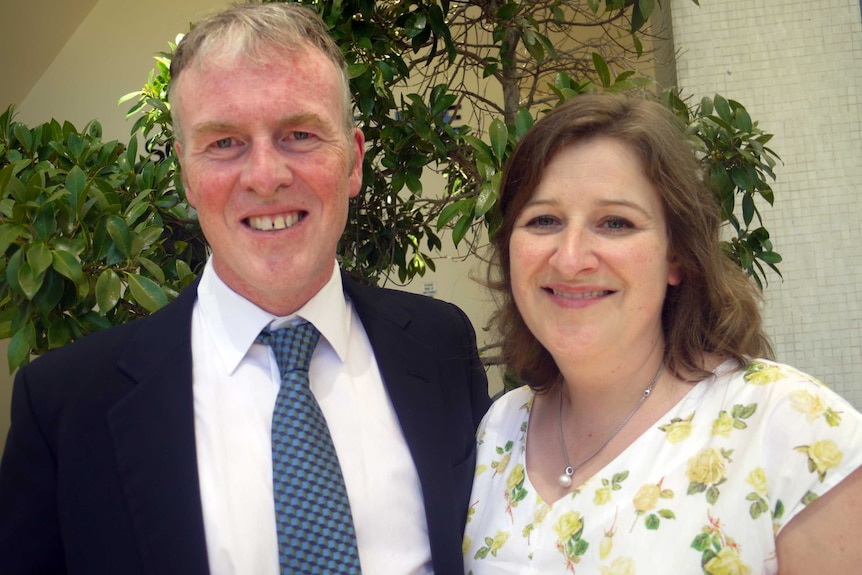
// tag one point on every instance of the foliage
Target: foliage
(94, 234)
(739, 166)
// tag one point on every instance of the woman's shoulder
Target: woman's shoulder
(509, 412)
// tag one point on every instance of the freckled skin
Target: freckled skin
(268, 140)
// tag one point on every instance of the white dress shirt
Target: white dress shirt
(235, 386)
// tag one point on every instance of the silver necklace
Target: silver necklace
(565, 479)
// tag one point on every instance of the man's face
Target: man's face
(268, 166)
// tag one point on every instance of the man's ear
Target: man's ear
(358, 145)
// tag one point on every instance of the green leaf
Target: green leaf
(8, 234)
(507, 11)
(28, 281)
(461, 227)
(119, 232)
(108, 288)
(487, 196)
(76, 183)
(356, 70)
(59, 334)
(602, 69)
(415, 25)
(769, 257)
(499, 138)
(67, 265)
(183, 270)
(153, 268)
(146, 292)
(39, 258)
(742, 120)
(20, 346)
(49, 294)
(646, 7)
(723, 108)
(523, 122)
(450, 211)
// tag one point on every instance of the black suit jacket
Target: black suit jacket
(99, 475)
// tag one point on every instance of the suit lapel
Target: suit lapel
(410, 375)
(154, 436)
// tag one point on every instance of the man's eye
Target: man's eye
(223, 143)
(300, 135)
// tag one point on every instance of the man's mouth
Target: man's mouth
(276, 222)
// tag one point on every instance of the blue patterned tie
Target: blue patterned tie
(315, 527)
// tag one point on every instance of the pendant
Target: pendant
(565, 480)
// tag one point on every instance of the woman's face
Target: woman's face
(589, 255)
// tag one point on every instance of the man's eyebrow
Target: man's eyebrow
(304, 119)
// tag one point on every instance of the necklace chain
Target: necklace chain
(565, 480)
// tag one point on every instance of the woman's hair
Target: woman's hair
(714, 309)
(259, 33)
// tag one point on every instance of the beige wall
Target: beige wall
(798, 70)
(75, 59)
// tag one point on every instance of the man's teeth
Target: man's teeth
(581, 295)
(279, 222)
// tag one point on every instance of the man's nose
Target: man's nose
(266, 168)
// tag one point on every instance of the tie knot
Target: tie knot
(291, 345)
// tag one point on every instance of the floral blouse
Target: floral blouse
(705, 490)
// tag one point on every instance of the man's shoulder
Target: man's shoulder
(365, 296)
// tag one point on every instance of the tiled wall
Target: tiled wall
(797, 68)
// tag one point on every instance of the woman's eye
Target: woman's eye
(617, 224)
(542, 222)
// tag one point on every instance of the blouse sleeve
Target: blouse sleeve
(812, 439)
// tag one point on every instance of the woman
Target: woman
(651, 439)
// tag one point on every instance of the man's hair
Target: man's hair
(715, 308)
(258, 33)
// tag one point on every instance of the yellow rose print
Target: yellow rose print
(465, 546)
(720, 552)
(620, 566)
(723, 424)
(603, 495)
(492, 545)
(762, 374)
(568, 525)
(516, 477)
(757, 479)
(678, 429)
(812, 405)
(727, 422)
(501, 465)
(726, 562)
(515, 492)
(706, 471)
(759, 506)
(647, 497)
(822, 456)
(569, 528)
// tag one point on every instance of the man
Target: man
(147, 448)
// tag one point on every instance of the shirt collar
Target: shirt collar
(235, 322)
